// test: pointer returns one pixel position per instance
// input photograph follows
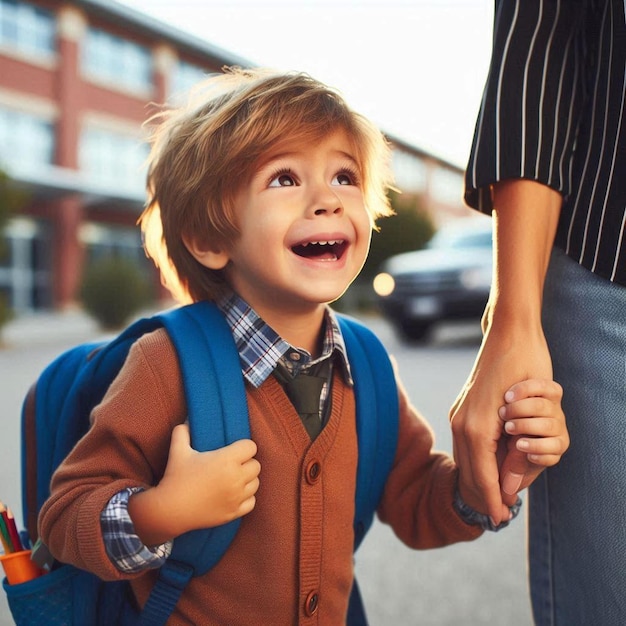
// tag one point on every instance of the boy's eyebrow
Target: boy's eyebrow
(348, 156)
(293, 153)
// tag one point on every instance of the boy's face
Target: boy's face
(304, 229)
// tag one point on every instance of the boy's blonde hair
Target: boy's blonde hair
(206, 151)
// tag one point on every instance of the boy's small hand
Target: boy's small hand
(538, 433)
(206, 489)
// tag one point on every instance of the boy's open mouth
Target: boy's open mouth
(321, 250)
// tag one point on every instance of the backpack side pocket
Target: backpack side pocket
(68, 596)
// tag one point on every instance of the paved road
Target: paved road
(473, 584)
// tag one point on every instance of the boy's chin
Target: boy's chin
(332, 295)
(336, 298)
(317, 297)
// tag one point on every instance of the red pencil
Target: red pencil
(12, 528)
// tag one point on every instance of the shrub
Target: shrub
(6, 314)
(113, 290)
(12, 200)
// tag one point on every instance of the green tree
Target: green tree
(11, 201)
(8, 205)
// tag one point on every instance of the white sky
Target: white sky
(415, 67)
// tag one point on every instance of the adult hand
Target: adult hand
(492, 469)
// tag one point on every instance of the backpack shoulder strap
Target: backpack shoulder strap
(376, 397)
(377, 409)
(218, 415)
(216, 400)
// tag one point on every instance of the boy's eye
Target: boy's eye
(284, 179)
(344, 178)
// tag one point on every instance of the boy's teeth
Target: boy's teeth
(320, 243)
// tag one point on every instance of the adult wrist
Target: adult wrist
(513, 321)
(520, 309)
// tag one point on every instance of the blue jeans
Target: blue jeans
(577, 512)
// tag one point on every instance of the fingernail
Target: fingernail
(512, 482)
(502, 412)
(509, 427)
(508, 396)
(523, 444)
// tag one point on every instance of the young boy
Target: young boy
(263, 195)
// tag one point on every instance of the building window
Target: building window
(26, 141)
(26, 28)
(111, 158)
(116, 61)
(185, 76)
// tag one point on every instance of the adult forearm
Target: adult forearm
(525, 219)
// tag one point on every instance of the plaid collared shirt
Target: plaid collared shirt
(260, 349)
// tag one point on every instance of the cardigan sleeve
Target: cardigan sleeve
(531, 104)
(126, 446)
(418, 500)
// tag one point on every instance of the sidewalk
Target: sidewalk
(50, 327)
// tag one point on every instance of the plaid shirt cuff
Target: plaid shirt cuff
(474, 518)
(123, 546)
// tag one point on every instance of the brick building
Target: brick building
(76, 80)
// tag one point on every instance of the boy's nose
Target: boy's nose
(325, 202)
(322, 211)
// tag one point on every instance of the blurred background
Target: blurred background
(77, 80)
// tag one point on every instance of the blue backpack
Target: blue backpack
(56, 414)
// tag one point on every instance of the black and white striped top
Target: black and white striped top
(553, 111)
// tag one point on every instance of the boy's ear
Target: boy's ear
(201, 252)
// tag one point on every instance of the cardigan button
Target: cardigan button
(312, 603)
(313, 472)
